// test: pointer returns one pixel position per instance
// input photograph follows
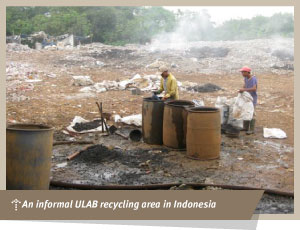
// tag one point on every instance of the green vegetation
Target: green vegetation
(123, 25)
(257, 27)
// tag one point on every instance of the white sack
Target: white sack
(243, 108)
(274, 133)
(132, 120)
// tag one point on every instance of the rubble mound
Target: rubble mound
(82, 80)
(284, 54)
(15, 47)
(208, 52)
(284, 67)
(204, 88)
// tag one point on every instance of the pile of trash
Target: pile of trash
(20, 77)
(144, 83)
(208, 51)
(82, 80)
(221, 57)
(21, 71)
(15, 47)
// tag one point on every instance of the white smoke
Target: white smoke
(192, 26)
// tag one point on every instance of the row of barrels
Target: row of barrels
(179, 124)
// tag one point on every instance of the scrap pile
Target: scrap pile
(144, 83)
(15, 47)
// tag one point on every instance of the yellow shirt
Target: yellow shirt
(172, 88)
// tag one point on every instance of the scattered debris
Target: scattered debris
(157, 64)
(198, 102)
(61, 165)
(15, 47)
(182, 187)
(82, 81)
(212, 188)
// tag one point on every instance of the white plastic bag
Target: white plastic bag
(222, 105)
(132, 120)
(274, 133)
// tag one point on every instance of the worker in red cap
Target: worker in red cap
(250, 86)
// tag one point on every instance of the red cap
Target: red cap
(245, 69)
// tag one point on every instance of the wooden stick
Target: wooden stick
(102, 123)
(99, 108)
(102, 118)
(73, 155)
(106, 126)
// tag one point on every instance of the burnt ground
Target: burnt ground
(109, 165)
(120, 160)
(204, 88)
(247, 160)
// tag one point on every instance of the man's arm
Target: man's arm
(161, 88)
(249, 89)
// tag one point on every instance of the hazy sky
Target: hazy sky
(220, 14)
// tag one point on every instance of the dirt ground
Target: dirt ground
(249, 160)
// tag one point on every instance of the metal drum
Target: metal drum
(174, 126)
(28, 156)
(203, 139)
(152, 121)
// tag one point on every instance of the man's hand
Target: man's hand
(164, 98)
(242, 90)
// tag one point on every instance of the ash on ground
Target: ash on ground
(86, 125)
(209, 87)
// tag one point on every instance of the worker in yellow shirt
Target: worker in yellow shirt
(168, 85)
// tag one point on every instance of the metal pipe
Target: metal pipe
(72, 142)
(162, 186)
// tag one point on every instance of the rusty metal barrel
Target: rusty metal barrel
(152, 121)
(174, 126)
(203, 141)
(28, 156)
